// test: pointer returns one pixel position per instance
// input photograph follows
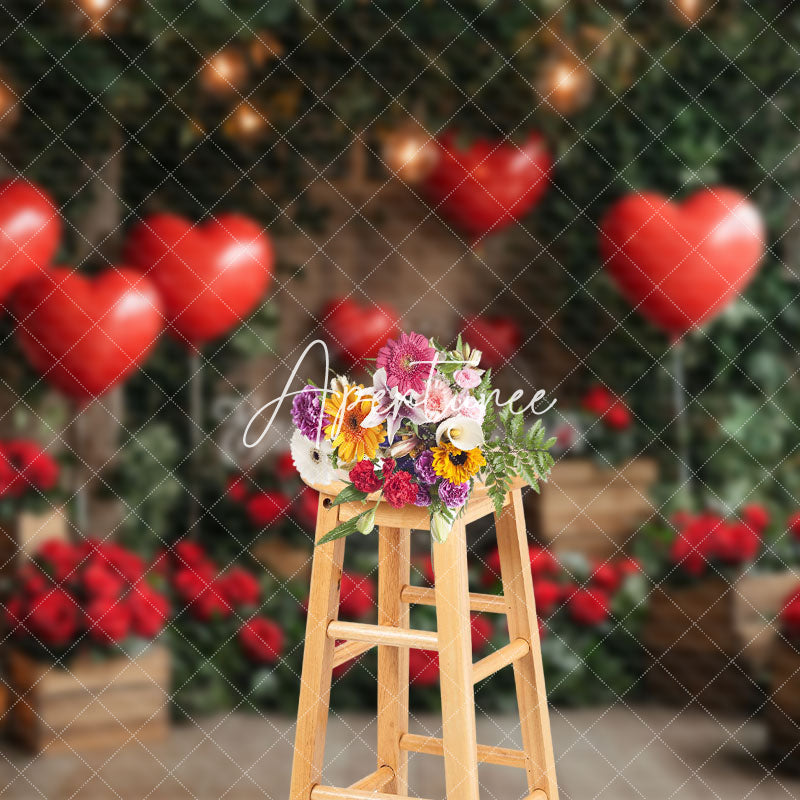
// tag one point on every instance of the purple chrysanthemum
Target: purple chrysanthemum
(307, 410)
(408, 362)
(453, 495)
(423, 496)
(423, 466)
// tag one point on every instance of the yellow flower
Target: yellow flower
(456, 466)
(346, 410)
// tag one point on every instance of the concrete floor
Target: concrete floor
(619, 753)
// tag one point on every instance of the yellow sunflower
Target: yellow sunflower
(347, 409)
(456, 466)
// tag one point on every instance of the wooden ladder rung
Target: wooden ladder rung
(383, 635)
(334, 793)
(347, 651)
(422, 596)
(506, 655)
(375, 781)
(487, 754)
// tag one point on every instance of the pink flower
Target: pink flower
(437, 400)
(408, 361)
(466, 405)
(467, 378)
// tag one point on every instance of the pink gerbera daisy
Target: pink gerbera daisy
(408, 362)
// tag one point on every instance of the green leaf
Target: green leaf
(348, 495)
(344, 529)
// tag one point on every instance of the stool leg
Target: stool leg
(315, 682)
(394, 572)
(455, 665)
(515, 567)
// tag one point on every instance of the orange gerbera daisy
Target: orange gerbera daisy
(347, 410)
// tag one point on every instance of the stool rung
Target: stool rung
(333, 793)
(537, 794)
(375, 781)
(487, 754)
(383, 634)
(347, 651)
(421, 596)
(506, 655)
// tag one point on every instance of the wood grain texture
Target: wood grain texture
(315, 681)
(383, 635)
(455, 665)
(394, 559)
(487, 754)
(488, 603)
(508, 654)
(512, 543)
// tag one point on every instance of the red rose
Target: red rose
(736, 543)
(285, 469)
(756, 516)
(32, 581)
(108, 620)
(190, 583)
(15, 611)
(261, 640)
(364, 478)
(790, 615)
(236, 489)
(239, 587)
(305, 507)
(618, 417)
(211, 604)
(628, 566)
(597, 400)
(123, 562)
(148, 610)
(542, 561)
(607, 577)
(426, 568)
(492, 572)
(32, 467)
(547, 594)
(53, 617)
(266, 507)
(481, 630)
(189, 554)
(793, 525)
(423, 667)
(357, 595)
(399, 489)
(589, 606)
(693, 546)
(99, 581)
(59, 558)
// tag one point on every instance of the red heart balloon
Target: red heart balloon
(30, 229)
(211, 276)
(497, 337)
(488, 186)
(357, 333)
(681, 264)
(86, 334)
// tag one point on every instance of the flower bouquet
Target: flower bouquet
(424, 433)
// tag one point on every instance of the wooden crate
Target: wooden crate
(783, 710)
(23, 535)
(93, 704)
(712, 640)
(588, 509)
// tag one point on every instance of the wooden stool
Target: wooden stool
(393, 637)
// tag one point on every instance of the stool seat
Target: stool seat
(331, 642)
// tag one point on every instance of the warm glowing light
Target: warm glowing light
(264, 48)
(409, 153)
(246, 122)
(9, 107)
(688, 11)
(101, 17)
(224, 72)
(565, 84)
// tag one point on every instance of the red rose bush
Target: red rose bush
(28, 477)
(77, 596)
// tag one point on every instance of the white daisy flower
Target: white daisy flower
(312, 462)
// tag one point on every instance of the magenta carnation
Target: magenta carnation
(408, 362)
(307, 410)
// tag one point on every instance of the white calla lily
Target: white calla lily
(463, 432)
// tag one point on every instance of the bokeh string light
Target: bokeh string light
(409, 153)
(225, 72)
